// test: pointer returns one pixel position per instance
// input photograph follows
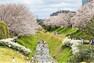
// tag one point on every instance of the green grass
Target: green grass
(74, 32)
(29, 42)
(66, 30)
(6, 55)
(59, 52)
(80, 34)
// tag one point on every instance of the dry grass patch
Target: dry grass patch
(6, 55)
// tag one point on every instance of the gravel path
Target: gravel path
(42, 54)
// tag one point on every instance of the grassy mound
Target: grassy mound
(57, 51)
(4, 33)
(29, 42)
(6, 55)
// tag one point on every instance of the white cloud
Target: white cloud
(72, 5)
(48, 6)
(33, 2)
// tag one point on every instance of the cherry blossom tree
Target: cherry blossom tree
(19, 18)
(62, 19)
(84, 14)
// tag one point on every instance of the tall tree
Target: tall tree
(89, 27)
(19, 18)
(62, 19)
(84, 14)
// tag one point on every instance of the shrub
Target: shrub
(50, 28)
(4, 32)
(73, 44)
(66, 42)
(11, 44)
(86, 54)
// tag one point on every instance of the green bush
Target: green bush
(50, 28)
(12, 34)
(4, 32)
(86, 54)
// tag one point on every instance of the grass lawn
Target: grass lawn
(74, 32)
(59, 52)
(29, 42)
(80, 34)
(66, 30)
(6, 55)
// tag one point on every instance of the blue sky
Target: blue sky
(43, 8)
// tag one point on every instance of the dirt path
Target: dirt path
(42, 54)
